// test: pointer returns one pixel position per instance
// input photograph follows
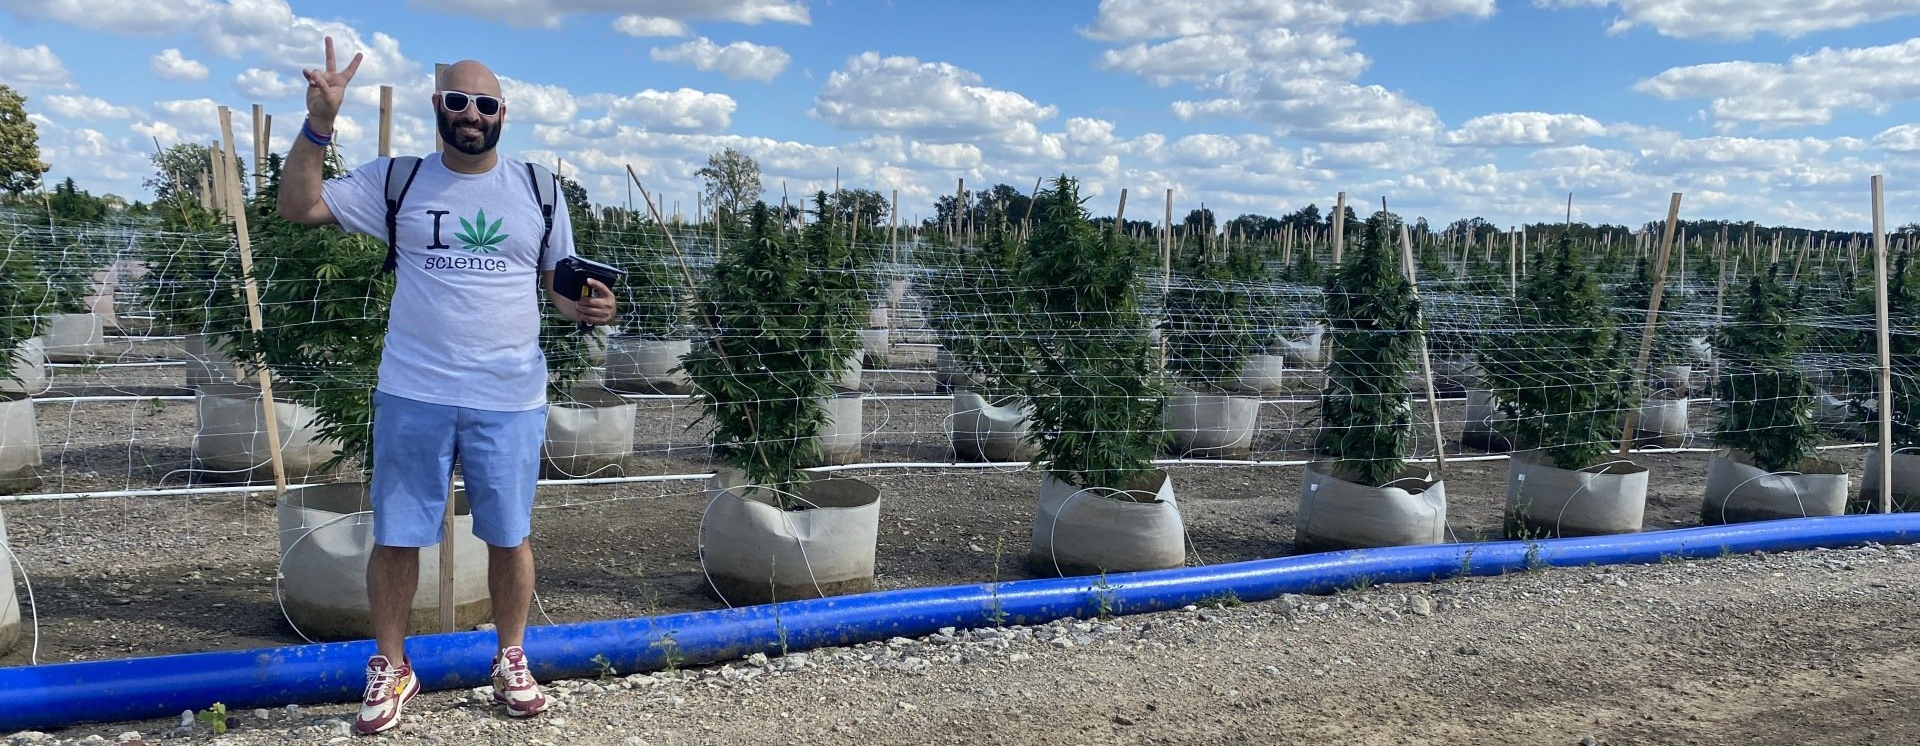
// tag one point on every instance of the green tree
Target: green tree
(71, 205)
(732, 184)
(20, 164)
(177, 172)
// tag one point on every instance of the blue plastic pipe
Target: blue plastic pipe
(56, 695)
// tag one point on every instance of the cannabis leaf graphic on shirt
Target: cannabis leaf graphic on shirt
(480, 236)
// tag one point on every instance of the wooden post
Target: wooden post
(1513, 264)
(1339, 226)
(1166, 246)
(238, 212)
(386, 121)
(1426, 360)
(215, 194)
(1653, 317)
(259, 149)
(1886, 353)
(959, 195)
(266, 131)
(1120, 215)
(439, 81)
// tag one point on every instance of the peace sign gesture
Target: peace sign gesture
(326, 88)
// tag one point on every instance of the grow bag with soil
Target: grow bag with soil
(643, 365)
(754, 552)
(1094, 530)
(1337, 514)
(1210, 425)
(589, 435)
(326, 536)
(230, 443)
(19, 445)
(28, 366)
(1739, 491)
(992, 432)
(1544, 500)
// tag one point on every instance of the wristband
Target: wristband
(306, 130)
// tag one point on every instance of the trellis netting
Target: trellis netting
(1230, 316)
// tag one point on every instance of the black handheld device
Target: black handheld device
(570, 278)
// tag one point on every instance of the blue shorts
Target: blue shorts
(415, 445)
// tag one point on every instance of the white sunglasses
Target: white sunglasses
(456, 102)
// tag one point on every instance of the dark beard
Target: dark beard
(487, 141)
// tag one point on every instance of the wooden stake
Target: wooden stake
(1166, 246)
(259, 149)
(1339, 226)
(1878, 186)
(1426, 360)
(1513, 265)
(1653, 317)
(1120, 215)
(238, 211)
(439, 145)
(386, 121)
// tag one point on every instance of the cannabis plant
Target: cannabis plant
(1094, 390)
(971, 302)
(652, 298)
(764, 366)
(1765, 401)
(192, 284)
(837, 283)
(1631, 308)
(1212, 315)
(1374, 316)
(1559, 368)
(22, 293)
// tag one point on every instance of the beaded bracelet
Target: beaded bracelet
(306, 130)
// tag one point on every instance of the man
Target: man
(462, 372)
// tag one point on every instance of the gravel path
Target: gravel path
(1818, 647)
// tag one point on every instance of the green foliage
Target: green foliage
(839, 282)
(20, 164)
(1374, 319)
(732, 182)
(1305, 268)
(71, 205)
(192, 285)
(652, 300)
(214, 717)
(766, 362)
(1212, 315)
(1669, 334)
(1766, 402)
(971, 303)
(1094, 389)
(23, 292)
(1560, 371)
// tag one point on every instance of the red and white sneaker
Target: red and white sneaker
(513, 684)
(388, 690)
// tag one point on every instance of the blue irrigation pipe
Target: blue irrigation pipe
(64, 694)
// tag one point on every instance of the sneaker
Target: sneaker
(513, 684)
(388, 690)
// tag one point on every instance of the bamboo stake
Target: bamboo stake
(1426, 359)
(1166, 246)
(1653, 317)
(238, 211)
(1513, 265)
(439, 82)
(386, 121)
(1886, 352)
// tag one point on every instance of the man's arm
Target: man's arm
(300, 182)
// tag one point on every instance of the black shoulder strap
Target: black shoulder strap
(400, 173)
(546, 189)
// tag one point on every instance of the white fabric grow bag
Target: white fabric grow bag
(1210, 425)
(324, 548)
(1663, 421)
(1260, 374)
(1338, 514)
(1738, 491)
(9, 596)
(1305, 348)
(1906, 481)
(640, 365)
(1090, 531)
(995, 432)
(28, 368)
(754, 552)
(590, 435)
(19, 445)
(947, 373)
(839, 439)
(1479, 428)
(230, 441)
(873, 347)
(75, 338)
(1545, 500)
(206, 364)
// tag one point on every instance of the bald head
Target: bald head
(472, 77)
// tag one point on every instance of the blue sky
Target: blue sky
(1770, 110)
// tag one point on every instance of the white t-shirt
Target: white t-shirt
(465, 326)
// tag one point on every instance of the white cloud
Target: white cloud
(646, 26)
(738, 60)
(535, 102)
(1742, 19)
(550, 13)
(268, 84)
(958, 155)
(115, 16)
(1904, 138)
(1525, 128)
(932, 101)
(169, 64)
(683, 110)
(32, 67)
(1132, 20)
(1318, 110)
(84, 107)
(1807, 90)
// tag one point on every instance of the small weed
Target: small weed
(1221, 600)
(1533, 561)
(1107, 603)
(604, 667)
(1671, 559)
(1466, 563)
(1358, 584)
(215, 717)
(155, 407)
(1725, 551)
(670, 653)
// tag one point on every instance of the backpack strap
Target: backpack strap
(400, 173)
(546, 189)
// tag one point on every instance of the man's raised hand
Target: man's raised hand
(327, 88)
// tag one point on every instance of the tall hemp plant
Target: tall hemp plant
(1669, 332)
(763, 367)
(1373, 314)
(192, 284)
(1766, 402)
(1094, 387)
(837, 282)
(970, 303)
(1560, 370)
